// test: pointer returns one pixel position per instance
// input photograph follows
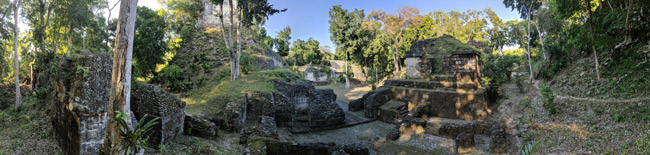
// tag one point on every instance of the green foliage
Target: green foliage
(172, 77)
(529, 148)
(83, 71)
(282, 41)
(246, 63)
(305, 52)
(149, 45)
(547, 98)
(135, 138)
(618, 117)
(348, 34)
(498, 67)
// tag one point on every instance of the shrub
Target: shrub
(547, 98)
(246, 63)
(172, 77)
(136, 140)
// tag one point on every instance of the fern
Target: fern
(529, 148)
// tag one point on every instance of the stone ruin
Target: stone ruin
(81, 98)
(298, 106)
(448, 103)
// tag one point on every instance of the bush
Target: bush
(246, 64)
(547, 99)
(172, 77)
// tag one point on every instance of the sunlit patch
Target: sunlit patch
(572, 127)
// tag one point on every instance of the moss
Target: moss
(442, 47)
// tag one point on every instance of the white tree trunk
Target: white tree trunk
(16, 56)
(530, 65)
(121, 78)
(223, 30)
(347, 80)
(237, 68)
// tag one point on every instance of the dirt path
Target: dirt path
(595, 100)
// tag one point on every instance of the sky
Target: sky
(309, 18)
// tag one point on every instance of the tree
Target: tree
(525, 8)
(16, 56)
(282, 41)
(121, 78)
(149, 44)
(248, 12)
(348, 35)
(395, 24)
(497, 36)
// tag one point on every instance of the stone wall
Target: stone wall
(267, 60)
(464, 64)
(81, 101)
(313, 74)
(154, 101)
(418, 67)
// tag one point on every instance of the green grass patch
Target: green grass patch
(211, 98)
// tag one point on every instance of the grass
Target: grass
(211, 98)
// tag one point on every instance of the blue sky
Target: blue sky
(309, 18)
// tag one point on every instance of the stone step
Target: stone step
(442, 78)
(432, 84)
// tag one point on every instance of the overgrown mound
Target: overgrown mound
(437, 48)
(211, 99)
(203, 57)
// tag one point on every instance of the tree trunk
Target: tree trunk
(231, 21)
(16, 56)
(541, 40)
(69, 40)
(237, 69)
(530, 65)
(396, 61)
(347, 80)
(121, 78)
(628, 33)
(223, 30)
(593, 47)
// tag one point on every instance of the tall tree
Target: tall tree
(121, 78)
(247, 12)
(149, 44)
(282, 41)
(395, 24)
(348, 35)
(525, 8)
(16, 56)
(591, 31)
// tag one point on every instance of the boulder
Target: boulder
(323, 110)
(154, 101)
(355, 105)
(80, 102)
(198, 127)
